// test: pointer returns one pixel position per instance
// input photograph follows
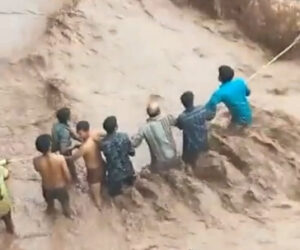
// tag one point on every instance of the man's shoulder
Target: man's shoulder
(56, 157)
(182, 114)
(199, 111)
(238, 80)
(60, 128)
(122, 135)
(199, 108)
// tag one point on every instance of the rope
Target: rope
(288, 48)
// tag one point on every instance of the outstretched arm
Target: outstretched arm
(211, 106)
(130, 148)
(78, 154)
(172, 120)
(73, 135)
(137, 139)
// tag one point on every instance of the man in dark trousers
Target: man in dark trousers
(192, 122)
(62, 136)
(117, 150)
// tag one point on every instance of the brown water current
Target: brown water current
(107, 57)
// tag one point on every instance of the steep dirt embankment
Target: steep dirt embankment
(274, 24)
(107, 57)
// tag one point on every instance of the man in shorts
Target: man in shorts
(55, 175)
(90, 151)
(193, 123)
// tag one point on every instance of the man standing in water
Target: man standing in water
(233, 92)
(193, 124)
(158, 134)
(90, 151)
(62, 138)
(54, 173)
(117, 149)
(5, 201)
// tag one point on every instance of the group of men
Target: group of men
(107, 154)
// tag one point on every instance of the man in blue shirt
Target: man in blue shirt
(117, 149)
(193, 124)
(62, 136)
(233, 92)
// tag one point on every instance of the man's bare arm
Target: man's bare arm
(136, 140)
(98, 136)
(73, 135)
(35, 165)
(78, 154)
(66, 171)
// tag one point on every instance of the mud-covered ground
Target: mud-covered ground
(108, 57)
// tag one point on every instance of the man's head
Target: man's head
(83, 130)
(187, 99)
(43, 143)
(110, 124)
(153, 109)
(226, 74)
(63, 115)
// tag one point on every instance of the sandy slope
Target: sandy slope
(107, 57)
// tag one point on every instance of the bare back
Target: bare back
(53, 170)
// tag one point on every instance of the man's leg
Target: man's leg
(96, 194)
(8, 223)
(49, 200)
(72, 169)
(64, 199)
(114, 188)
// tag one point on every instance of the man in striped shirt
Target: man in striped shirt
(192, 122)
(158, 134)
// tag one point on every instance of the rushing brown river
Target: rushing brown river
(106, 57)
(22, 23)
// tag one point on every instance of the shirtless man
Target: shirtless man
(55, 175)
(90, 151)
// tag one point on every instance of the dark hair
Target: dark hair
(110, 124)
(83, 126)
(226, 73)
(63, 115)
(43, 143)
(187, 99)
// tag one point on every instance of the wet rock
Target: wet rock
(147, 189)
(210, 167)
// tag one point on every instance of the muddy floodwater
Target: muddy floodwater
(108, 57)
(22, 22)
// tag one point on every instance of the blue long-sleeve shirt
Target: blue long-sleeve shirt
(234, 95)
